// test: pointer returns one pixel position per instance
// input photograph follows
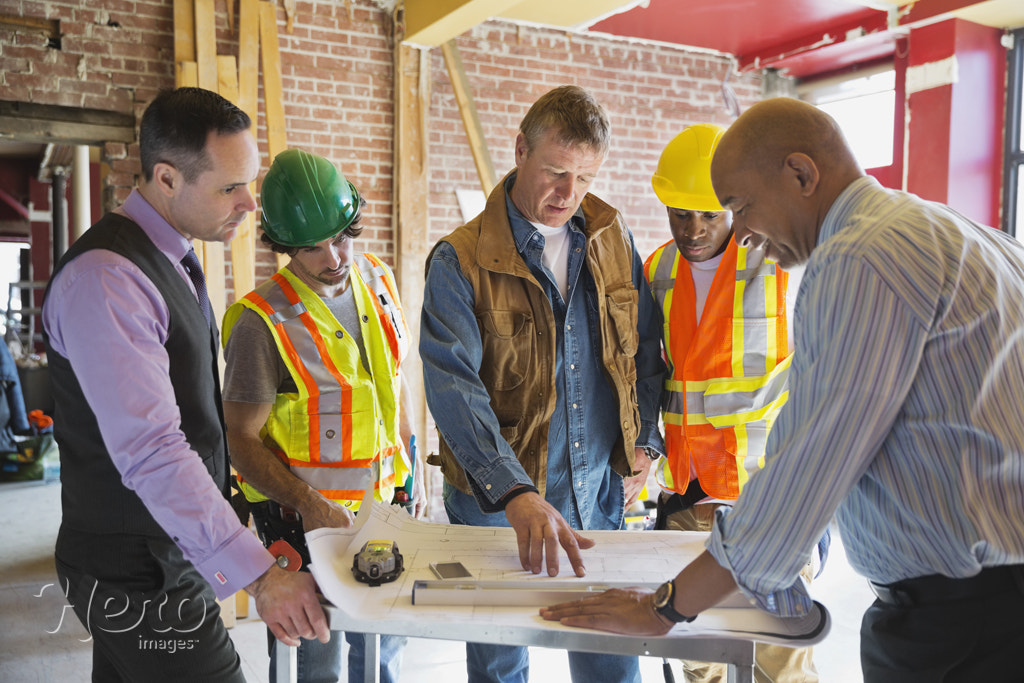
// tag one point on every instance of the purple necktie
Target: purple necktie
(195, 273)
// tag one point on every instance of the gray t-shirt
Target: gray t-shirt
(255, 371)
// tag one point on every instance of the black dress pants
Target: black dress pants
(920, 636)
(150, 614)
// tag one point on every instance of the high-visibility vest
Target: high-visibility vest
(728, 375)
(340, 431)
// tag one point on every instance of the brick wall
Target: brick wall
(338, 83)
(650, 93)
(337, 71)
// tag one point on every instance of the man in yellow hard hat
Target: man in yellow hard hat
(727, 345)
(315, 402)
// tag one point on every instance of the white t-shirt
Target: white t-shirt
(556, 254)
(703, 273)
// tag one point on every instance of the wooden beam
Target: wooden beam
(272, 89)
(48, 123)
(273, 96)
(206, 44)
(470, 119)
(566, 14)
(186, 74)
(48, 27)
(243, 245)
(433, 22)
(184, 31)
(249, 58)
(411, 194)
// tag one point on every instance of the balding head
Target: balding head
(779, 167)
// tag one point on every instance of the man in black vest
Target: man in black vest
(148, 539)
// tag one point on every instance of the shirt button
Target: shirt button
(366, 318)
(576, 444)
(339, 334)
(568, 327)
(488, 487)
(574, 406)
(572, 366)
(329, 434)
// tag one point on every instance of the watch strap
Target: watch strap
(668, 611)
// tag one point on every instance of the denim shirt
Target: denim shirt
(584, 426)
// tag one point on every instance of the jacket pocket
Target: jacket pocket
(507, 339)
(621, 305)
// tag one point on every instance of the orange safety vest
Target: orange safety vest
(340, 431)
(728, 375)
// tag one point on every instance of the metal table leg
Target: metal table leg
(287, 663)
(371, 661)
(742, 673)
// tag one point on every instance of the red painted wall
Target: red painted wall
(954, 139)
(976, 124)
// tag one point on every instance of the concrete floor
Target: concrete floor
(42, 641)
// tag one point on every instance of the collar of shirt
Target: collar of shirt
(167, 239)
(840, 213)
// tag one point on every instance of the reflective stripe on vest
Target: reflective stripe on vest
(335, 456)
(728, 374)
(375, 276)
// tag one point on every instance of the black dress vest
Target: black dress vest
(94, 499)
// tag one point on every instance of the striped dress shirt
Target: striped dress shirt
(905, 417)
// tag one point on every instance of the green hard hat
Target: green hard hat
(305, 199)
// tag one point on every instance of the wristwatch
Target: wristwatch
(663, 604)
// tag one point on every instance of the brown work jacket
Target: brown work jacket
(517, 330)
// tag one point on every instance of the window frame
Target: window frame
(1013, 155)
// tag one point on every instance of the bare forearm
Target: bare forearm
(702, 584)
(265, 472)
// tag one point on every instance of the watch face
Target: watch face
(663, 594)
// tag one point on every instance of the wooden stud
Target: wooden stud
(272, 89)
(184, 31)
(186, 74)
(249, 58)
(206, 44)
(470, 119)
(411, 190)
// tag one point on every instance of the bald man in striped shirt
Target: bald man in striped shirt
(904, 421)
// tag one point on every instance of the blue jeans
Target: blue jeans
(321, 663)
(487, 663)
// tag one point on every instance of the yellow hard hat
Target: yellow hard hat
(683, 177)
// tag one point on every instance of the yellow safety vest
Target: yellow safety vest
(340, 431)
(728, 375)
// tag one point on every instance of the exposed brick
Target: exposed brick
(337, 69)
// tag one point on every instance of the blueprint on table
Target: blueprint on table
(618, 557)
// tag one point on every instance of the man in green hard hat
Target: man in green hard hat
(315, 402)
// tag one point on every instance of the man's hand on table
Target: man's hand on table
(288, 604)
(619, 610)
(540, 529)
